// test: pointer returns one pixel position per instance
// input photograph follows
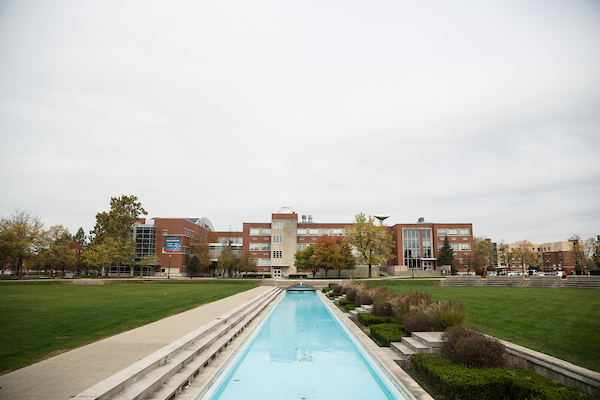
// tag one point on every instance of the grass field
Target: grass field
(564, 323)
(39, 320)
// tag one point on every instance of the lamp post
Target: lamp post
(169, 271)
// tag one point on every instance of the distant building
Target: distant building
(273, 244)
(552, 257)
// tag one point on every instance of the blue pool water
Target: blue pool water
(301, 351)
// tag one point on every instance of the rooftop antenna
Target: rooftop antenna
(381, 217)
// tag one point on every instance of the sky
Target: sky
(485, 112)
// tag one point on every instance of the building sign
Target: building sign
(172, 243)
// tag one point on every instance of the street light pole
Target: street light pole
(169, 271)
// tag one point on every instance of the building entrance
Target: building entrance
(276, 272)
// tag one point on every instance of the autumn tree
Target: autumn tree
(332, 253)
(524, 250)
(595, 252)
(504, 253)
(446, 255)
(226, 260)
(57, 252)
(483, 253)
(577, 255)
(200, 247)
(148, 261)
(245, 264)
(373, 243)
(21, 237)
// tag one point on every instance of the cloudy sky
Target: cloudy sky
(456, 111)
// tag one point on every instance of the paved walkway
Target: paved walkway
(70, 373)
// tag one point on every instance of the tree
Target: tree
(332, 253)
(80, 237)
(303, 261)
(483, 252)
(372, 242)
(524, 250)
(226, 260)
(245, 264)
(595, 253)
(446, 255)
(22, 235)
(113, 230)
(200, 246)
(148, 261)
(504, 253)
(58, 253)
(577, 255)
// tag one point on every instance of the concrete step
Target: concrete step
(429, 339)
(415, 345)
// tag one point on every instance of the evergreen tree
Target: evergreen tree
(446, 256)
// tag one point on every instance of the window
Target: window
(254, 231)
(301, 246)
(277, 239)
(277, 224)
(464, 232)
(441, 232)
(452, 232)
(454, 246)
(314, 232)
(465, 246)
(254, 246)
(325, 231)
(337, 232)
(165, 231)
(266, 246)
(265, 261)
(266, 231)
(277, 254)
(302, 232)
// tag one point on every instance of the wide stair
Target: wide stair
(504, 281)
(167, 372)
(461, 280)
(581, 282)
(364, 309)
(543, 281)
(418, 342)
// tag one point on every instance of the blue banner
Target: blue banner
(172, 243)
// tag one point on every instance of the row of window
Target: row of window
(453, 232)
(301, 231)
(236, 240)
(260, 246)
(457, 247)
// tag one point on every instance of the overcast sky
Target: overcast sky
(456, 111)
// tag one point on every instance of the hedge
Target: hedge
(370, 319)
(466, 383)
(383, 334)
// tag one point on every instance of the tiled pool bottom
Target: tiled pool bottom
(301, 351)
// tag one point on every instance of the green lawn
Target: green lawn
(564, 323)
(42, 319)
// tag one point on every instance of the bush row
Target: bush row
(384, 334)
(461, 382)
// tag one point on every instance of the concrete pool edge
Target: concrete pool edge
(402, 379)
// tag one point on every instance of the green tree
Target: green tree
(21, 235)
(372, 242)
(226, 260)
(148, 261)
(80, 237)
(332, 253)
(303, 260)
(113, 230)
(446, 255)
(595, 252)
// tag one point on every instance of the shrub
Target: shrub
(370, 319)
(349, 306)
(325, 290)
(337, 289)
(447, 313)
(462, 382)
(332, 285)
(383, 334)
(342, 303)
(351, 294)
(469, 347)
(402, 304)
(417, 322)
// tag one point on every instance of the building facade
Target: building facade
(272, 245)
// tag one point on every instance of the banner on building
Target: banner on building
(172, 243)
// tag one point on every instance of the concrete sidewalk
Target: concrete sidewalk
(66, 375)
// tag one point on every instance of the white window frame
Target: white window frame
(277, 238)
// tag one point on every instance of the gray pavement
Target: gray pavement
(68, 374)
